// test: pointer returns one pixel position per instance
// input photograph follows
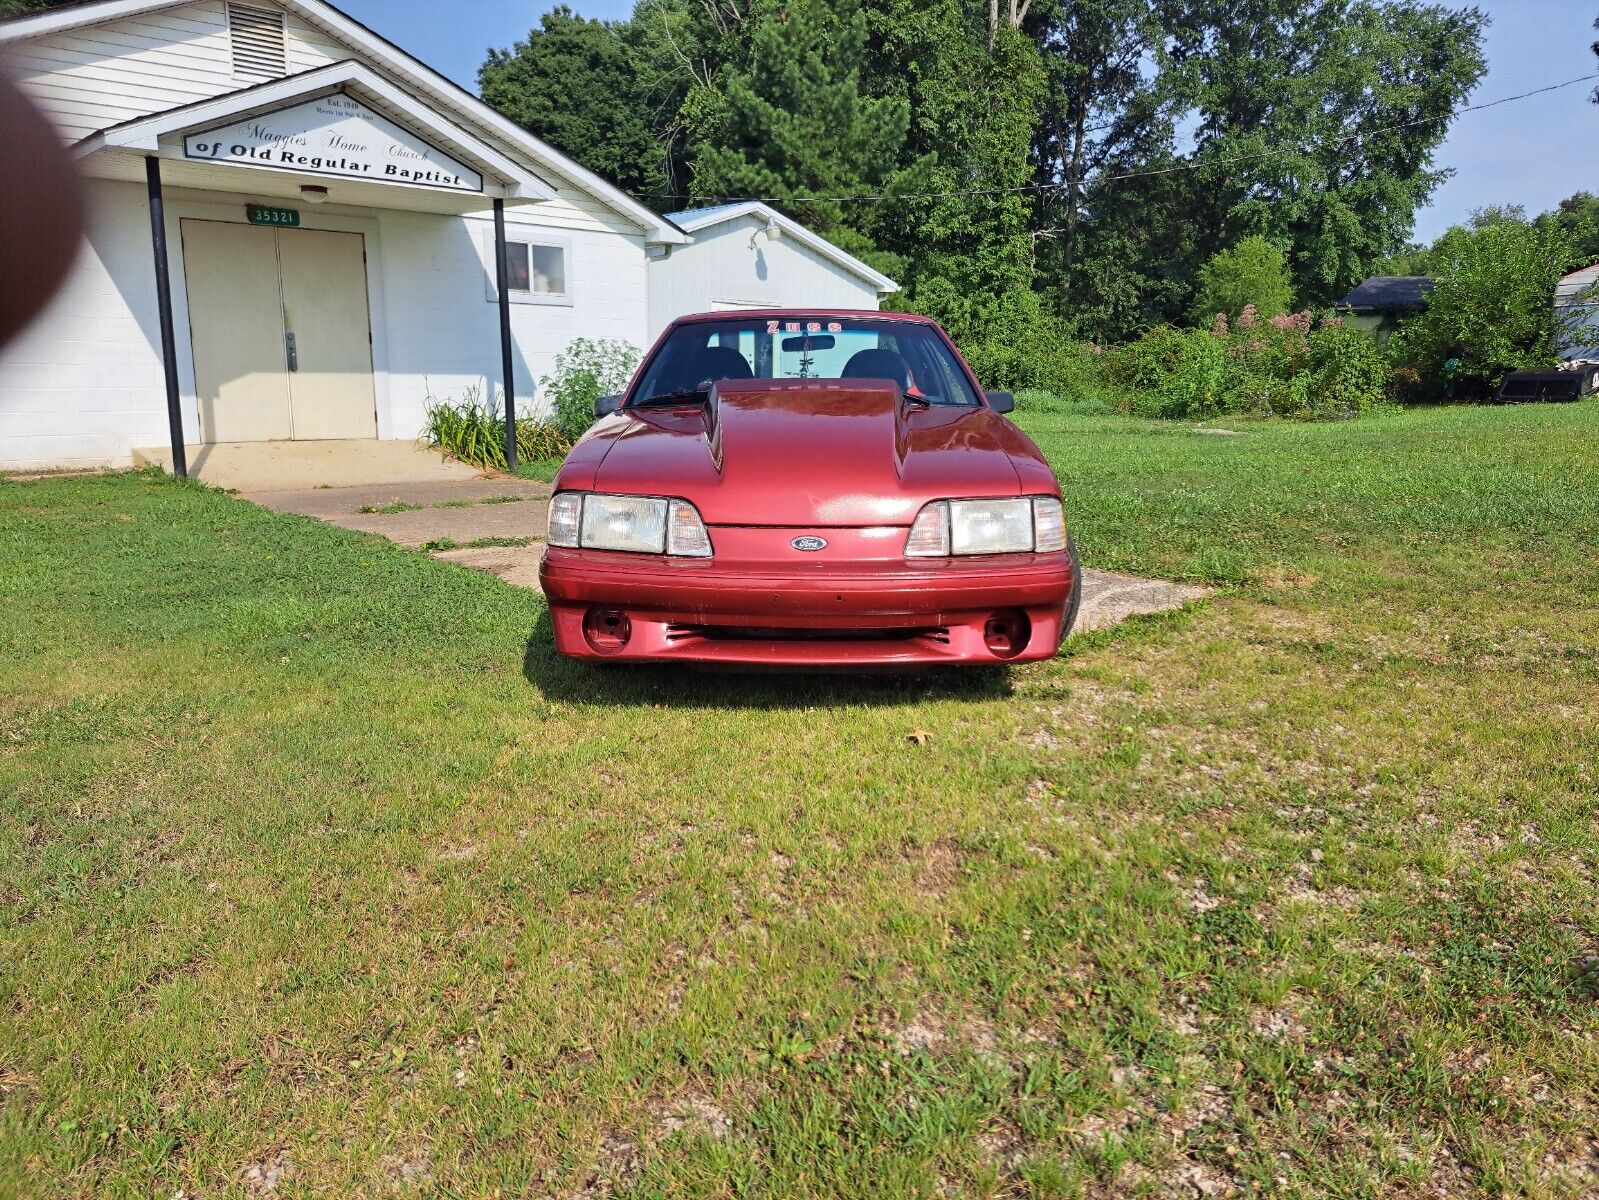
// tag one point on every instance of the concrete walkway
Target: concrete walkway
(287, 466)
(1110, 598)
(453, 514)
(461, 511)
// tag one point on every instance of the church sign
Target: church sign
(333, 135)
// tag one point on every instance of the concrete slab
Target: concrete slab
(1110, 598)
(330, 503)
(524, 519)
(291, 466)
(514, 564)
(458, 510)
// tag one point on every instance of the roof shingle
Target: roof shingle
(1389, 293)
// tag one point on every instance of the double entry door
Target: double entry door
(282, 335)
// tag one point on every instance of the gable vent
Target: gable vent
(258, 45)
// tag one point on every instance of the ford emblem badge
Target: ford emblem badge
(809, 543)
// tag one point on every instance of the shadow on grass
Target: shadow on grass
(679, 684)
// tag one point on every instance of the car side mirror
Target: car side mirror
(1001, 402)
(604, 406)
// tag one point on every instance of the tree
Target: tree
(957, 221)
(1493, 214)
(576, 83)
(1317, 122)
(1010, 146)
(1313, 123)
(1098, 111)
(1492, 306)
(794, 121)
(1254, 272)
(1578, 217)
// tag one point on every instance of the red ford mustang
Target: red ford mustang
(807, 488)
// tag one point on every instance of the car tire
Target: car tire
(1076, 602)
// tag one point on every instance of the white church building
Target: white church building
(324, 209)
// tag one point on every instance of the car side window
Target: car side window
(935, 370)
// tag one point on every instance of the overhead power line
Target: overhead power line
(1175, 168)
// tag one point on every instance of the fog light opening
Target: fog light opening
(1007, 633)
(607, 630)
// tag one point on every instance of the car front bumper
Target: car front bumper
(761, 603)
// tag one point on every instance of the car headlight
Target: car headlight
(1023, 525)
(639, 524)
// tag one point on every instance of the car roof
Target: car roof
(739, 314)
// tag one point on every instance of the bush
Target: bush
(1012, 341)
(474, 432)
(1281, 367)
(1348, 373)
(1059, 365)
(1252, 273)
(1491, 309)
(586, 370)
(1171, 372)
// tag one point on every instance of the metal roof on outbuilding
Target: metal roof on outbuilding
(705, 216)
(692, 220)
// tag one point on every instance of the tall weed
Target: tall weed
(473, 430)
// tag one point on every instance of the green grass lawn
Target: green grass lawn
(540, 470)
(321, 876)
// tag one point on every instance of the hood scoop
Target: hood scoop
(807, 452)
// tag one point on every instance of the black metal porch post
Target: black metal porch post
(502, 273)
(163, 303)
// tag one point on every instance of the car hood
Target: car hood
(807, 453)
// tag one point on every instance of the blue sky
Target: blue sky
(1533, 152)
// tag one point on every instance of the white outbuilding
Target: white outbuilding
(323, 208)
(749, 255)
(1577, 310)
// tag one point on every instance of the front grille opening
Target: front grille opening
(755, 633)
(259, 48)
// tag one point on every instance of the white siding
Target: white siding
(573, 208)
(310, 48)
(722, 268)
(101, 75)
(443, 328)
(83, 386)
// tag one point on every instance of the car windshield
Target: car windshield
(700, 353)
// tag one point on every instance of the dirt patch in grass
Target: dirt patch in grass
(924, 1033)
(1193, 1178)
(1001, 1147)
(617, 1162)
(691, 1114)
(263, 1176)
(1280, 1024)
(937, 866)
(409, 1172)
